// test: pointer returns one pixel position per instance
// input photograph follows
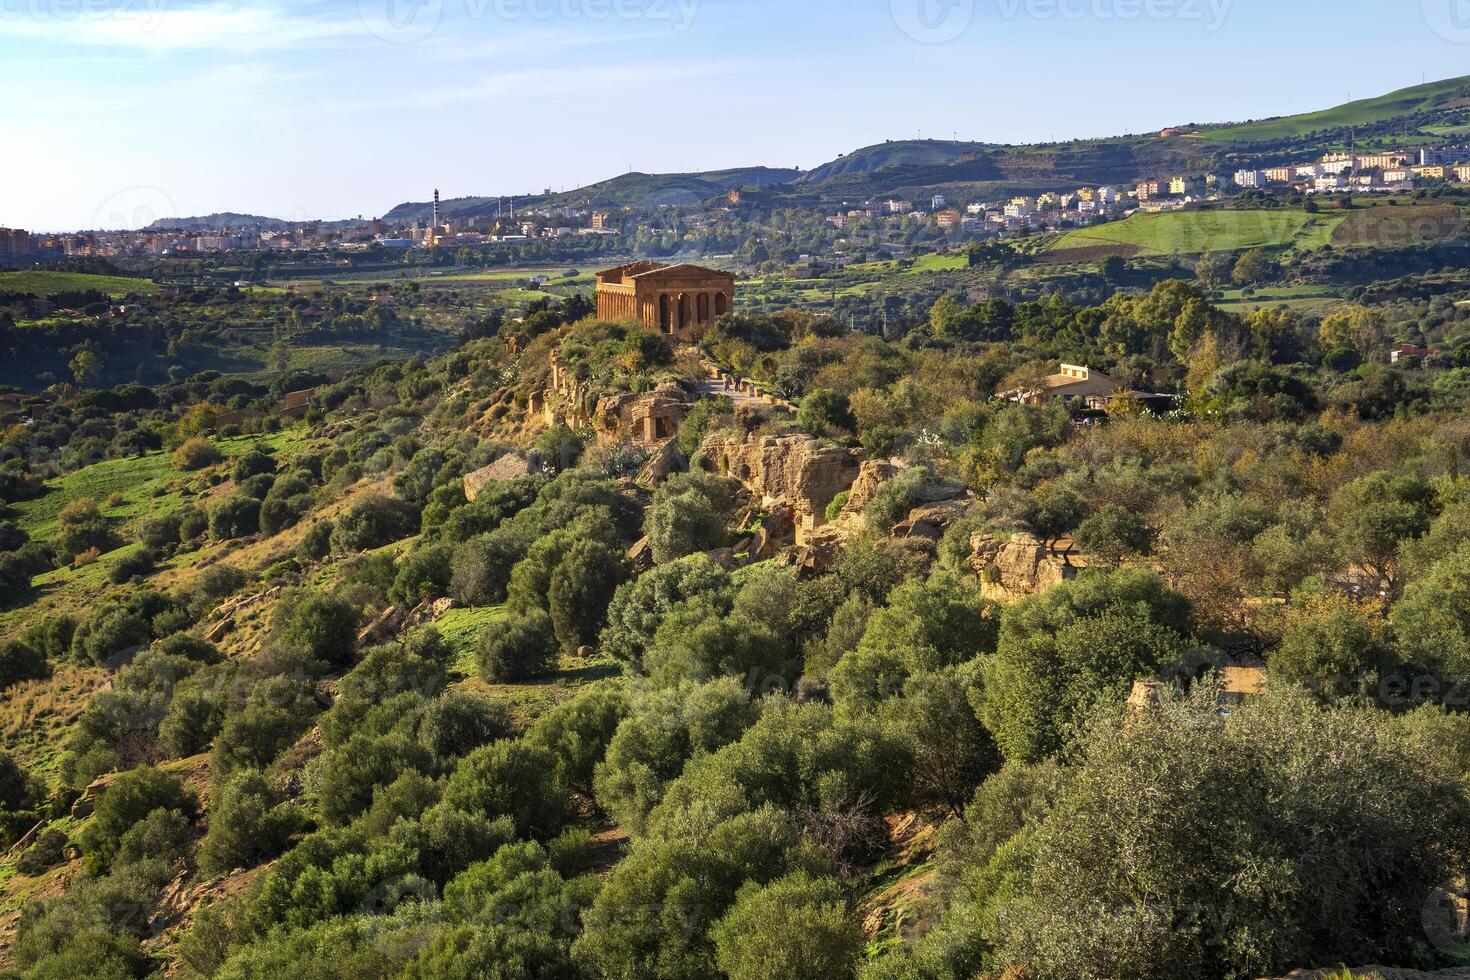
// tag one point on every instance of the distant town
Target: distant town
(954, 221)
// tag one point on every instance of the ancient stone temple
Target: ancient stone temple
(672, 299)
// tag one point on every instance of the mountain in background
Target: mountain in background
(1435, 112)
(220, 222)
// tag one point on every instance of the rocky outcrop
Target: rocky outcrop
(395, 620)
(872, 475)
(795, 469)
(507, 467)
(666, 460)
(932, 520)
(1015, 566)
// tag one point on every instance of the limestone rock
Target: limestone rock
(931, 520)
(872, 475)
(666, 460)
(796, 469)
(1017, 566)
(641, 555)
(87, 802)
(507, 467)
(383, 628)
(820, 552)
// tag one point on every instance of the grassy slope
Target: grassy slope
(1360, 113)
(42, 283)
(1192, 232)
(143, 481)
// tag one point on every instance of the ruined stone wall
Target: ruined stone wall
(795, 469)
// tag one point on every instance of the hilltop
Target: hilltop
(1419, 115)
(1449, 94)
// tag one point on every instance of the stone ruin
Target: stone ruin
(795, 470)
(647, 419)
(1014, 566)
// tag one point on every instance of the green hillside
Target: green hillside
(44, 283)
(652, 190)
(1364, 112)
(894, 154)
(1193, 232)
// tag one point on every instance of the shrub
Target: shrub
(480, 569)
(162, 835)
(316, 543)
(686, 517)
(192, 523)
(797, 926)
(195, 454)
(43, 855)
(826, 413)
(80, 527)
(457, 722)
(317, 625)
(20, 661)
(254, 462)
(129, 799)
(234, 517)
(512, 779)
(372, 522)
(161, 532)
(245, 824)
(135, 564)
(581, 588)
(424, 574)
(519, 649)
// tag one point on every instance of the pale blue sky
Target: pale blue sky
(111, 109)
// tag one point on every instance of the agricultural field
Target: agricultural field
(1399, 226)
(45, 283)
(1310, 300)
(1193, 232)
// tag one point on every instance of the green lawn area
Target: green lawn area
(143, 482)
(1193, 232)
(1301, 299)
(462, 630)
(44, 283)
